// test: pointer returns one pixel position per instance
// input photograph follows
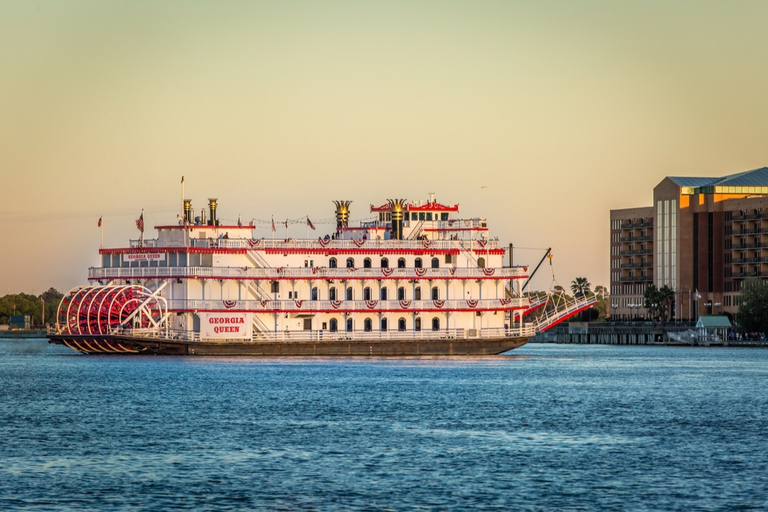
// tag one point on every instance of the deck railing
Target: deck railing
(272, 273)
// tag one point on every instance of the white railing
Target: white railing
(278, 244)
(560, 310)
(346, 306)
(341, 274)
(526, 330)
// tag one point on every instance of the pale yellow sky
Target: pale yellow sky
(562, 109)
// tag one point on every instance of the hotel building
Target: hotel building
(702, 237)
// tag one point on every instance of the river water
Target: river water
(547, 427)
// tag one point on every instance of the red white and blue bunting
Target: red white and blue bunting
(427, 243)
(421, 272)
(387, 271)
(324, 241)
(489, 271)
(359, 243)
(405, 304)
(371, 303)
(452, 270)
(505, 301)
(229, 303)
(438, 303)
(472, 303)
(253, 242)
(264, 303)
(298, 303)
(335, 304)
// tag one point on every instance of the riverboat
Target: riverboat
(415, 279)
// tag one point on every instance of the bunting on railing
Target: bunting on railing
(489, 271)
(335, 304)
(472, 303)
(371, 303)
(481, 243)
(426, 242)
(264, 303)
(505, 301)
(351, 269)
(438, 303)
(244, 269)
(387, 271)
(405, 304)
(281, 270)
(421, 272)
(324, 241)
(253, 242)
(229, 303)
(452, 270)
(298, 303)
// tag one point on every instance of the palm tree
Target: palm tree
(580, 287)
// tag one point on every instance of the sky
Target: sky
(540, 116)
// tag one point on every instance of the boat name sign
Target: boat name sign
(226, 325)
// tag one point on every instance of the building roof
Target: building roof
(713, 321)
(747, 182)
(685, 181)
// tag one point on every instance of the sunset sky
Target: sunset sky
(539, 115)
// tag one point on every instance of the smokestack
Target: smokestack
(342, 214)
(202, 216)
(397, 208)
(212, 206)
(188, 211)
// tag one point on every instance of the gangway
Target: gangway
(559, 308)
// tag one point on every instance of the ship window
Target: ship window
(435, 263)
(206, 260)
(275, 287)
(174, 260)
(435, 293)
(384, 325)
(384, 263)
(435, 324)
(334, 325)
(401, 263)
(401, 324)
(143, 263)
(349, 293)
(414, 216)
(367, 263)
(401, 293)
(183, 259)
(350, 325)
(448, 258)
(421, 216)
(429, 215)
(383, 293)
(417, 293)
(417, 324)
(367, 293)
(417, 263)
(106, 260)
(332, 293)
(481, 262)
(350, 263)
(368, 325)
(332, 263)
(314, 293)
(444, 216)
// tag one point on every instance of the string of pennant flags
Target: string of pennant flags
(257, 222)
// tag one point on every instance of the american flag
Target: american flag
(309, 223)
(140, 222)
(100, 218)
(239, 222)
(273, 224)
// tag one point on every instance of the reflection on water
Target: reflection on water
(547, 427)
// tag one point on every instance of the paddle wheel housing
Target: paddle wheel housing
(103, 309)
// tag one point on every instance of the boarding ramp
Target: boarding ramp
(559, 308)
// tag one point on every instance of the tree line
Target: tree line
(32, 305)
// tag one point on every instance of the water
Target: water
(549, 427)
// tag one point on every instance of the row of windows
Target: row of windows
(384, 263)
(367, 293)
(387, 216)
(383, 326)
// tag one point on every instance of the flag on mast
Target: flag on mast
(100, 219)
(273, 224)
(239, 222)
(309, 223)
(140, 222)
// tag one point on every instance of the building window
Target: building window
(435, 293)
(435, 263)
(334, 325)
(350, 325)
(481, 262)
(384, 325)
(435, 324)
(349, 293)
(417, 263)
(314, 293)
(401, 263)
(368, 325)
(383, 293)
(350, 263)
(417, 324)
(275, 287)
(401, 324)
(367, 263)
(332, 263)
(401, 293)
(417, 293)
(384, 263)
(332, 293)
(367, 293)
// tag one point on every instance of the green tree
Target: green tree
(580, 287)
(753, 311)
